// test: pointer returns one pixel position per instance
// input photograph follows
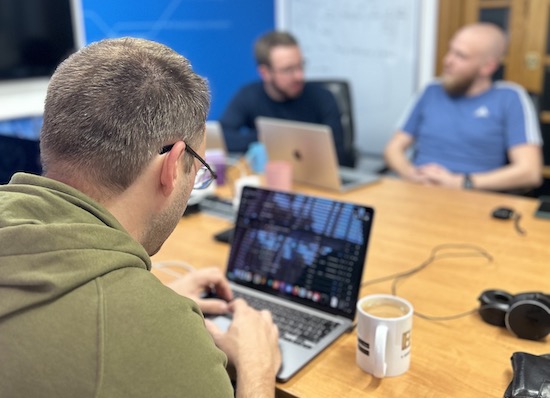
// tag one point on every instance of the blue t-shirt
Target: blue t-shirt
(314, 105)
(471, 134)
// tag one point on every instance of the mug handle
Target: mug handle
(380, 339)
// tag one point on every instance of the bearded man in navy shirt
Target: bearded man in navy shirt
(282, 93)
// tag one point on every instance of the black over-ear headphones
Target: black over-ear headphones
(527, 315)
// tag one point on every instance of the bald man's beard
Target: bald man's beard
(457, 86)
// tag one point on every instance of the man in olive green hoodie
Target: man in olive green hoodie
(80, 313)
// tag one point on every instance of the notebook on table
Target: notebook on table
(310, 149)
(301, 257)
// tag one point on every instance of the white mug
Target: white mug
(250, 180)
(384, 326)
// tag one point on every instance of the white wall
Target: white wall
(384, 48)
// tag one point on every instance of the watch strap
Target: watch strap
(468, 183)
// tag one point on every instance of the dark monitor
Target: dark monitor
(18, 154)
(35, 36)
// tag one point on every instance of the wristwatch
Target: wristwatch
(468, 183)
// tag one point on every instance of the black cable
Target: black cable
(477, 251)
(506, 213)
(518, 228)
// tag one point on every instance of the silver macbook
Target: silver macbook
(301, 257)
(214, 136)
(310, 149)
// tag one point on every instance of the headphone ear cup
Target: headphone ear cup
(529, 319)
(493, 306)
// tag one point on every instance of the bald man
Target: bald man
(465, 130)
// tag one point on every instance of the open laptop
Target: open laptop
(310, 149)
(214, 136)
(301, 257)
(215, 142)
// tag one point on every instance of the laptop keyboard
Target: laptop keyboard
(347, 180)
(294, 326)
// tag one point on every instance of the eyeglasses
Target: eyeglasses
(205, 175)
(289, 70)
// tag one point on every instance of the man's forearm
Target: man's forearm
(506, 178)
(399, 163)
(251, 383)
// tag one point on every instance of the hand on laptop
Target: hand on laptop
(195, 283)
(252, 345)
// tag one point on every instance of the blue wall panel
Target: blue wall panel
(217, 36)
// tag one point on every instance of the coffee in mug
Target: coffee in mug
(384, 326)
(385, 309)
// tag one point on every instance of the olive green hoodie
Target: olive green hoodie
(80, 313)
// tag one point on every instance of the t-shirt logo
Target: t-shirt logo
(481, 112)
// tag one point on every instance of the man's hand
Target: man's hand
(195, 283)
(416, 175)
(439, 175)
(251, 344)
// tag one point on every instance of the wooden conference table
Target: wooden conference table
(464, 357)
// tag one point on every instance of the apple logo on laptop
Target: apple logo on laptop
(297, 155)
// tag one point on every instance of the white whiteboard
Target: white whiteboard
(374, 44)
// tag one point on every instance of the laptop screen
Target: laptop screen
(308, 249)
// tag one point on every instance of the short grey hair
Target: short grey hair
(112, 106)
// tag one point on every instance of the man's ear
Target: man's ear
(264, 72)
(171, 168)
(490, 67)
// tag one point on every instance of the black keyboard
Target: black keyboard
(294, 326)
(218, 207)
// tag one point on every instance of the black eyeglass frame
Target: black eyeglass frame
(191, 151)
